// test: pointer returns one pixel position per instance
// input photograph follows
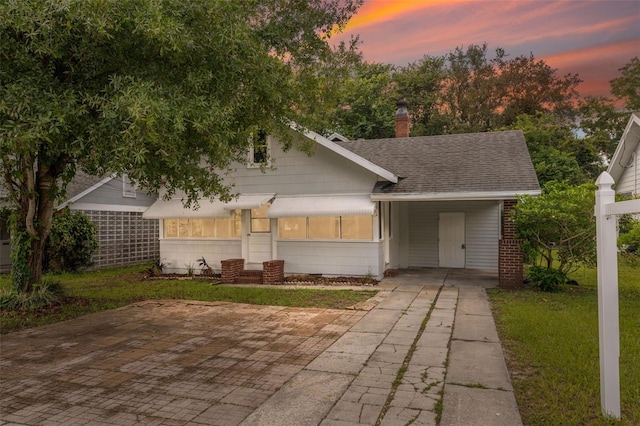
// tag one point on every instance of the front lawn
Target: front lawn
(112, 288)
(551, 345)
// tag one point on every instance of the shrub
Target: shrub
(43, 295)
(546, 279)
(71, 243)
(629, 241)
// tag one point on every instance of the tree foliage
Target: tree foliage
(71, 243)
(627, 86)
(558, 225)
(150, 88)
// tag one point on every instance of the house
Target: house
(116, 207)
(625, 163)
(360, 208)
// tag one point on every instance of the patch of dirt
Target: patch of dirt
(320, 280)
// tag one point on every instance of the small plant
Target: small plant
(156, 268)
(205, 269)
(43, 295)
(190, 270)
(547, 279)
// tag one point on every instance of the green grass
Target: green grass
(551, 343)
(112, 288)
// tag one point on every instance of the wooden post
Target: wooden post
(608, 316)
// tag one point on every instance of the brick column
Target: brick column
(231, 269)
(273, 272)
(510, 256)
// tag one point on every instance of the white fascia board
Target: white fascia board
(625, 147)
(450, 196)
(107, 207)
(362, 162)
(85, 192)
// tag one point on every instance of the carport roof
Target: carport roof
(462, 166)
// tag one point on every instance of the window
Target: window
(326, 228)
(259, 151)
(259, 220)
(292, 228)
(204, 228)
(128, 190)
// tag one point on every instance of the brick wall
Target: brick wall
(273, 272)
(510, 256)
(124, 238)
(231, 269)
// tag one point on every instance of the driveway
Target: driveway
(161, 362)
(426, 334)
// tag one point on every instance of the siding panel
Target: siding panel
(178, 254)
(331, 258)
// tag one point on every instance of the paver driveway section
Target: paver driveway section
(161, 363)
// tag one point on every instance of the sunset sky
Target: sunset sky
(591, 38)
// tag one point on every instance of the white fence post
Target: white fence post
(608, 316)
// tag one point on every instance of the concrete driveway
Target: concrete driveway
(194, 363)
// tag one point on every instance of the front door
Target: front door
(259, 238)
(451, 237)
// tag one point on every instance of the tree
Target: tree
(627, 86)
(420, 84)
(602, 125)
(529, 86)
(547, 139)
(368, 103)
(153, 89)
(558, 225)
(470, 95)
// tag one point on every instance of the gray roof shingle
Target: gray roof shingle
(472, 162)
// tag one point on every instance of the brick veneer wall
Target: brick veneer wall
(510, 256)
(273, 272)
(231, 269)
(124, 238)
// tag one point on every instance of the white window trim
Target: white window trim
(128, 190)
(250, 155)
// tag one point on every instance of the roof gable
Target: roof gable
(485, 163)
(349, 155)
(626, 147)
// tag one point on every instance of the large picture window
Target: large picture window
(326, 228)
(222, 228)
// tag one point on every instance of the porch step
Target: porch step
(249, 277)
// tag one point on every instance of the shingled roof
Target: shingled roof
(80, 183)
(483, 163)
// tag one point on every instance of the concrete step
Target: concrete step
(249, 277)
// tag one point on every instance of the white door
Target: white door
(451, 237)
(258, 238)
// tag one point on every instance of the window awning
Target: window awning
(165, 209)
(249, 201)
(327, 205)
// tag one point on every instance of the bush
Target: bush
(547, 279)
(71, 243)
(43, 295)
(629, 241)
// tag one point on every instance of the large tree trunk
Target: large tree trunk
(34, 218)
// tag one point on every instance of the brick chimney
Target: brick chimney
(402, 120)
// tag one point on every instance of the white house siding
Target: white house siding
(481, 225)
(629, 182)
(331, 258)
(177, 255)
(296, 173)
